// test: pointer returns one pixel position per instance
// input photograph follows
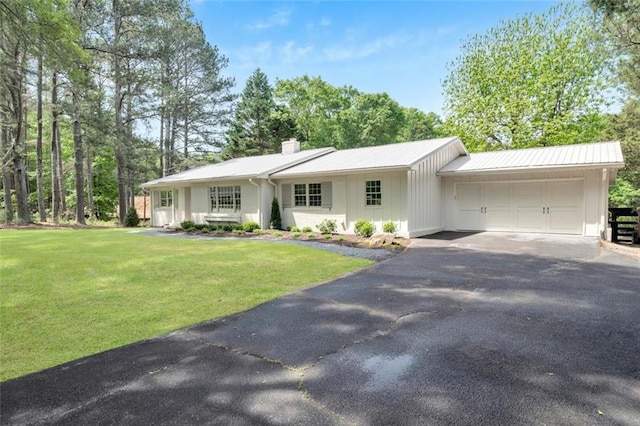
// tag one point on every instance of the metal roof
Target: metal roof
(392, 156)
(260, 166)
(603, 154)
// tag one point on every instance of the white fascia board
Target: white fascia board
(532, 169)
(368, 170)
(185, 183)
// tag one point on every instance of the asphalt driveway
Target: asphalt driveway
(465, 329)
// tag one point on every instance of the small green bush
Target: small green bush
(389, 227)
(188, 224)
(236, 227)
(327, 236)
(295, 229)
(364, 228)
(205, 230)
(307, 229)
(227, 228)
(200, 226)
(341, 239)
(132, 219)
(239, 232)
(259, 231)
(311, 235)
(327, 226)
(295, 234)
(277, 234)
(250, 226)
(219, 231)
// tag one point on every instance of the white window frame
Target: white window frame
(373, 197)
(165, 198)
(234, 192)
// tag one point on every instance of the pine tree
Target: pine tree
(276, 219)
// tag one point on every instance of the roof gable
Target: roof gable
(593, 155)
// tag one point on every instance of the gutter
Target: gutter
(531, 169)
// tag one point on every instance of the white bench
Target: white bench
(222, 218)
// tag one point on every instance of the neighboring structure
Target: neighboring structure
(143, 206)
(423, 187)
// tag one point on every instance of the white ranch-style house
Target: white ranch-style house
(423, 187)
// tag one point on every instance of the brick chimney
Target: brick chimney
(290, 147)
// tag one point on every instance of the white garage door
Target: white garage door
(554, 206)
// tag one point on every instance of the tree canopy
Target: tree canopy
(537, 80)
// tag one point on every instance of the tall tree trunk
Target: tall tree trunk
(7, 172)
(19, 154)
(56, 204)
(119, 130)
(39, 177)
(89, 175)
(77, 149)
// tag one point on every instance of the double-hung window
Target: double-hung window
(164, 198)
(373, 193)
(225, 198)
(307, 195)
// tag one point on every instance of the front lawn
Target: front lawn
(68, 293)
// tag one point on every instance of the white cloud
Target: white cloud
(279, 18)
(344, 53)
(291, 53)
(255, 56)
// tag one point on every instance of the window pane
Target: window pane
(315, 194)
(237, 198)
(213, 198)
(373, 193)
(225, 197)
(300, 194)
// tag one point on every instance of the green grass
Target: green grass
(65, 294)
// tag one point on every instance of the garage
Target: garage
(554, 206)
(553, 190)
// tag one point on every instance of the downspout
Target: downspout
(275, 195)
(259, 201)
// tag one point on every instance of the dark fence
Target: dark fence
(624, 224)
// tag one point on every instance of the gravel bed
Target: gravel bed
(376, 254)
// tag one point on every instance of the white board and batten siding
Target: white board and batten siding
(348, 202)
(425, 213)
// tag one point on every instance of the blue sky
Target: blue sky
(401, 48)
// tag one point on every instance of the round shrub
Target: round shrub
(131, 219)
(307, 229)
(327, 226)
(295, 229)
(364, 228)
(389, 227)
(250, 226)
(188, 224)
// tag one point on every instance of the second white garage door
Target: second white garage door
(554, 206)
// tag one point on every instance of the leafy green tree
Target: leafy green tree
(315, 106)
(620, 20)
(532, 81)
(372, 119)
(255, 130)
(418, 125)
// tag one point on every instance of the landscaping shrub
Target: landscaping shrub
(389, 227)
(200, 226)
(307, 229)
(227, 228)
(364, 228)
(311, 235)
(327, 236)
(250, 226)
(277, 234)
(131, 219)
(239, 232)
(295, 234)
(276, 219)
(295, 229)
(327, 226)
(188, 224)
(205, 230)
